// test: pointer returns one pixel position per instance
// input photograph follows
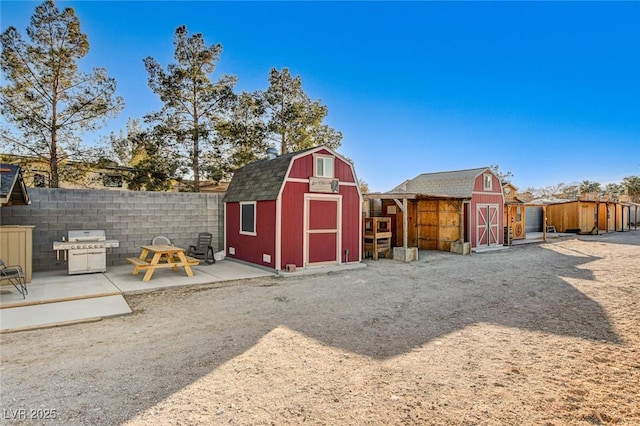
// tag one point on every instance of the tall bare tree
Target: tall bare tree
(505, 177)
(193, 104)
(48, 100)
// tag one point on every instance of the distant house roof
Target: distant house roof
(13, 191)
(455, 184)
(549, 201)
(261, 180)
(205, 186)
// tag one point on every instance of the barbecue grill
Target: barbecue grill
(85, 251)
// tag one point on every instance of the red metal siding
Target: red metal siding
(484, 197)
(302, 168)
(252, 248)
(488, 199)
(292, 230)
(322, 247)
(343, 171)
(323, 214)
(467, 222)
(323, 218)
(351, 223)
(248, 247)
(479, 184)
(293, 210)
(232, 225)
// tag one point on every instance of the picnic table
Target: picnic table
(153, 257)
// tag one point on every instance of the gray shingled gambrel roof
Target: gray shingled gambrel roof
(261, 180)
(457, 184)
(12, 188)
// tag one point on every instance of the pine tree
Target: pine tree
(48, 100)
(194, 105)
(294, 121)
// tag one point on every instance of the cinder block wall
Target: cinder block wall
(133, 218)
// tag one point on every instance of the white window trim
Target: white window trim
(485, 180)
(255, 214)
(327, 157)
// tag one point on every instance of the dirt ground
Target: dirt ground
(542, 334)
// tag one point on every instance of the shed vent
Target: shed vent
(272, 153)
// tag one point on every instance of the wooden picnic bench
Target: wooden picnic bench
(163, 256)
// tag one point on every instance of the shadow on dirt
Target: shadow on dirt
(381, 311)
(628, 238)
(399, 307)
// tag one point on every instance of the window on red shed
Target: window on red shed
(323, 166)
(487, 181)
(248, 218)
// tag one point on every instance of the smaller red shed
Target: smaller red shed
(303, 208)
(443, 207)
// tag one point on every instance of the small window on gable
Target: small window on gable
(248, 218)
(487, 181)
(323, 166)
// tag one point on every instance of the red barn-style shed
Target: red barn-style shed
(446, 207)
(303, 208)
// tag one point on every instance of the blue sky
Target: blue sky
(547, 90)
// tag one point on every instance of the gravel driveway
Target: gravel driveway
(541, 334)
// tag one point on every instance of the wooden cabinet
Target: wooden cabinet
(376, 237)
(16, 247)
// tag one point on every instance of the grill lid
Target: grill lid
(87, 235)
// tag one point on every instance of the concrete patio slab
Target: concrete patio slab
(125, 281)
(48, 287)
(322, 269)
(537, 237)
(56, 298)
(62, 313)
